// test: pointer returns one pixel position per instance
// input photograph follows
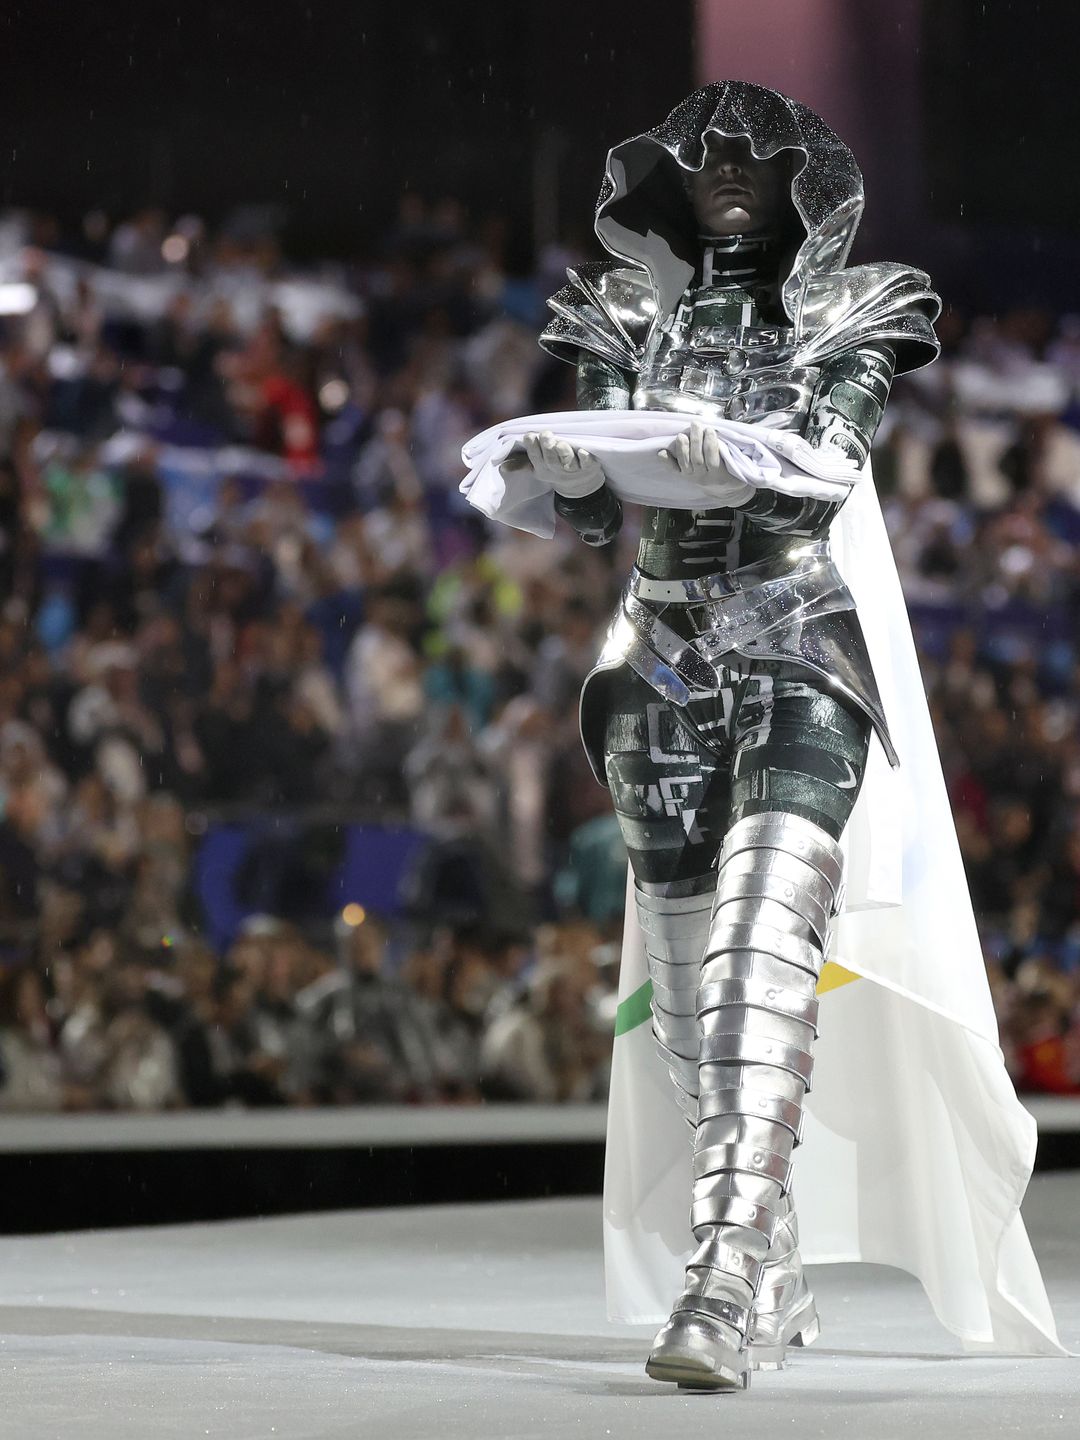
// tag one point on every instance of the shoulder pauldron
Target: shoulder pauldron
(609, 310)
(884, 301)
(606, 310)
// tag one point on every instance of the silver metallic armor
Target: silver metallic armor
(731, 708)
(676, 930)
(751, 1051)
(729, 335)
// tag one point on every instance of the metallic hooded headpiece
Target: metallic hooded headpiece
(644, 217)
(643, 213)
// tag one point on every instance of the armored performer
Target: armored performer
(732, 708)
(772, 762)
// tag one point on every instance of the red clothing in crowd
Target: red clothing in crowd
(290, 413)
(1049, 1065)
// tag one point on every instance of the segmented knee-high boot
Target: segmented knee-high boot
(675, 920)
(779, 884)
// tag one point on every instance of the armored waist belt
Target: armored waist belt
(801, 558)
(726, 612)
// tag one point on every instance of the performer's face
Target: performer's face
(734, 192)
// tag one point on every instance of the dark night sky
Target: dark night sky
(328, 108)
(1002, 104)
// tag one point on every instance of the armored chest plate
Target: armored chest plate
(733, 371)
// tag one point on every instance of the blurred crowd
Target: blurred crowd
(238, 580)
(278, 1021)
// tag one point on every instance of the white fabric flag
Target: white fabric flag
(626, 443)
(917, 1150)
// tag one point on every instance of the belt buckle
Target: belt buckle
(720, 622)
(701, 615)
(693, 379)
(718, 588)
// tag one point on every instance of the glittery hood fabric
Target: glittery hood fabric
(643, 213)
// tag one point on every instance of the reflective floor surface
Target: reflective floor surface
(472, 1321)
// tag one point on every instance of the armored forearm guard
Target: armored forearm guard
(597, 518)
(850, 399)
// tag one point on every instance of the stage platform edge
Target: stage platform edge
(77, 1172)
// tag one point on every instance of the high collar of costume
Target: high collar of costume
(743, 260)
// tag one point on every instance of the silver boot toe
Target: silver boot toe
(701, 1352)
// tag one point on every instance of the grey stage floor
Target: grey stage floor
(478, 1321)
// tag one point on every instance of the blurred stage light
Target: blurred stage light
(333, 395)
(175, 249)
(354, 914)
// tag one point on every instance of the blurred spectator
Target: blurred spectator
(384, 685)
(31, 1070)
(372, 1040)
(545, 1048)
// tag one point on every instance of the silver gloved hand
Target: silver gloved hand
(569, 470)
(697, 453)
